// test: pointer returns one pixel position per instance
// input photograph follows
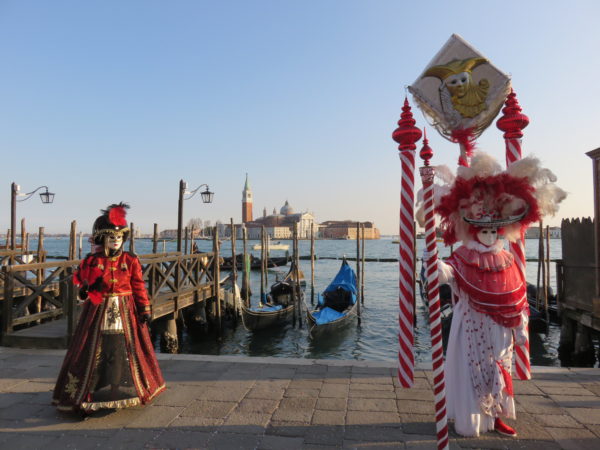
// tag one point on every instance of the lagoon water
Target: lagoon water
(376, 337)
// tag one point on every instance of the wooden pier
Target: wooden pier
(174, 281)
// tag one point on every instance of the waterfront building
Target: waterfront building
(346, 229)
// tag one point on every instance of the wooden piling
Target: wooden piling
(312, 264)
(80, 252)
(295, 312)
(362, 266)
(540, 264)
(297, 272)
(185, 248)
(262, 264)
(40, 273)
(547, 263)
(22, 234)
(358, 300)
(155, 239)
(217, 275)
(245, 274)
(132, 237)
(72, 240)
(233, 269)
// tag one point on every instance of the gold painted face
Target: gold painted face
(457, 84)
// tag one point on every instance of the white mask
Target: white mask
(488, 236)
(114, 241)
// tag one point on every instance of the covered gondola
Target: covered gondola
(337, 305)
(276, 309)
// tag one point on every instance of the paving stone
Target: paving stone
(20, 411)
(372, 387)
(12, 398)
(232, 441)
(156, 417)
(415, 406)
(414, 394)
(272, 442)
(526, 388)
(557, 421)
(528, 428)
(293, 415)
(485, 442)
(209, 409)
(358, 379)
(331, 404)
(325, 435)
(385, 445)
(421, 425)
(301, 393)
(371, 404)
(374, 433)
(265, 393)
(193, 423)
(574, 438)
(246, 422)
(371, 394)
(572, 391)
(305, 384)
(534, 404)
(566, 401)
(271, 384)
(334, 391)
(372, 418)
(30, 441)
(314, 368)
(298, 403)
(80, 441)
(231, 394)
(585, 415)
(336, 380)
(181, 439)
(132, 438)
(257, 405)
(182, 396)
(329, 418)
(287, 428)
(594, 388)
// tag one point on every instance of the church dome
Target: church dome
(286, 209)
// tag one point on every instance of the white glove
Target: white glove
(520, 335)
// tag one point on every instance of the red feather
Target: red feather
(117, 215)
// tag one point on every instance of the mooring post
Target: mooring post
(22, 234)
(132, 237)
(262, 265)
(233, 270)
(73, 240)
(362, 266)
(155, 239)
(245, 269)
(312, 263)
(293, 264)
(217, 275)
(358, 309)
(297, 273)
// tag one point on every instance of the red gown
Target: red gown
(111, 361)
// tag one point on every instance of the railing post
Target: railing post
(71, 301)
(8, 301)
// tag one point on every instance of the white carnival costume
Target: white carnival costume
(490, 309)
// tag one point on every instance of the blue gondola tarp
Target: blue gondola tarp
(327, 315)
(345, 279)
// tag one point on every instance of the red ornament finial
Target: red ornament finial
(406, 134)
(513, 120)
(426, 152)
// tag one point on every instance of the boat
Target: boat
(277, 308)
(337, 305)
(272, 246)
(255, 263)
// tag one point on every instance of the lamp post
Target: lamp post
(46, 197)
(206, 195)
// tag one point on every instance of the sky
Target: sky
(112, 100)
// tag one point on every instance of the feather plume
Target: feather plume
(117, 214)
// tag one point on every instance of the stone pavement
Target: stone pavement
(231, 402)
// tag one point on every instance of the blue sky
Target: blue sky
(107, 100)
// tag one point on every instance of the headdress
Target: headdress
(484, 196)
(113, 221)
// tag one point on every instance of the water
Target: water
(376, 338)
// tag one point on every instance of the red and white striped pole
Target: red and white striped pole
(406, 135)
(512, 123)
(433, 294)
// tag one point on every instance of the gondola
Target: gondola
(277, 308)
(337, 305)
(255, 263)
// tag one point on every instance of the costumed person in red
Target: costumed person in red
(490, 309)
(111, 361)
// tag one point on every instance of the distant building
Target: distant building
(281, 225)
(168, 234)
(346, 229)
(246, 203)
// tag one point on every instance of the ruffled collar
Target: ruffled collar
(493, 259)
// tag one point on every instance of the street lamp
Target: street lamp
(46, 197)
(206, 195)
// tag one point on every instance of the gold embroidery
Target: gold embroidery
(113, 280)
(124, 266)
(101, 266)
(112, 269)
(71, 387)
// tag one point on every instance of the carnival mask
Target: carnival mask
(114, 242)
(487, 236)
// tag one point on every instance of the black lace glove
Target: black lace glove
(146, 317)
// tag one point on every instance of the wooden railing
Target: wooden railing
(173, 280)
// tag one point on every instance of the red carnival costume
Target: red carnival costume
(490, 309)
(111, 361)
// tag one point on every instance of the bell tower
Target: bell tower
(246, 203)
